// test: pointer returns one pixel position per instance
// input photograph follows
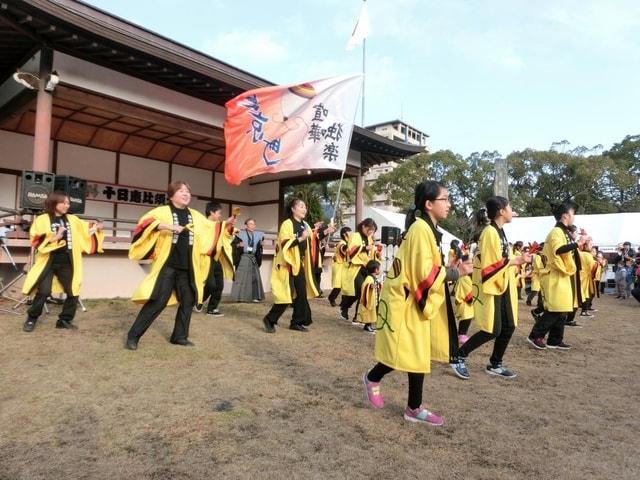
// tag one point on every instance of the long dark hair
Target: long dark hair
(559, 209)
(367, 222)
(343, 232)
(490, 212)
(427, 190)
(292, 204)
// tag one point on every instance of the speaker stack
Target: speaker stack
(36, 186)
(389, 235)
(76, 190)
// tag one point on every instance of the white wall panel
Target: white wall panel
(86, 163)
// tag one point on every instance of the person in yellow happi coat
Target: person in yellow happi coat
(519, 269)
(177, 239)
(58, 240)
(558, 284)
(537, 268)
(360, 250)
(292, 280)
(495, 289)
(416, 323)
(338, 264)
(463, 306)
(219, 257)
(588, 285)
(369, 298)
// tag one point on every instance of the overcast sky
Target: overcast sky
(473, 74)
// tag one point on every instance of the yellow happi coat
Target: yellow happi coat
(287, 262)
(338, 264)
(357, 257)
(538, 269)
(413, 325)
(368, 308)
(221, 248)
(492, 276)
(463, 296)
(518, 270)
(588, 267)
(557, 289)
(43, 244)
(150, 243)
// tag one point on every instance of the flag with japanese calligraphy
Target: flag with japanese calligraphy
(292, 127)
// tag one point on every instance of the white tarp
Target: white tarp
(607, 230)
(393, 219)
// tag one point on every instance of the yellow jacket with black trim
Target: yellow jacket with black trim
(149, 243)
(287, 262)
(413, 326)
(492, 276)
(43, 243)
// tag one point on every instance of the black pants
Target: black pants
(551, 323)
(586, 305)
(503, 328)
(463, 327)
(169, 279)
(62, 268)
(602, 286)
(531, 296)
(301, 309)
(213, 286)
(334, 294)
(416, 381)
(349, 300)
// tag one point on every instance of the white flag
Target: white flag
(290, 127)
(362, 29)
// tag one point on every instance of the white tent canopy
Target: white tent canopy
(607, 230)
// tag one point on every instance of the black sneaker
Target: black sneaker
(499, 371)
(64, 324)
(536, 313)
(369, 328)
(29, 325)
(572, 323)
(268, 326)
(215, 312)
(537, 343)
(560, 346)
(586, 314)
(297, 327)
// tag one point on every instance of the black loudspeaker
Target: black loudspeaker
(75, 188)
(389, 235)
(36, 186)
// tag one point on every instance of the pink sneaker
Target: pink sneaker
(372, 390)
(422, 415)
(462, 339)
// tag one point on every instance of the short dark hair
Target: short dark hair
(212, 207)
(53, 199)
(175, 186)
(372, 266)
(343, 232)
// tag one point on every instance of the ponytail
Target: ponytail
(427, 190)
(482, 220)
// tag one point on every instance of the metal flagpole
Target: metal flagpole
(364, 44)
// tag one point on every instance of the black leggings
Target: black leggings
(503, 329)
(416, 381)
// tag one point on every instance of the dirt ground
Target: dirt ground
(244, 404)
